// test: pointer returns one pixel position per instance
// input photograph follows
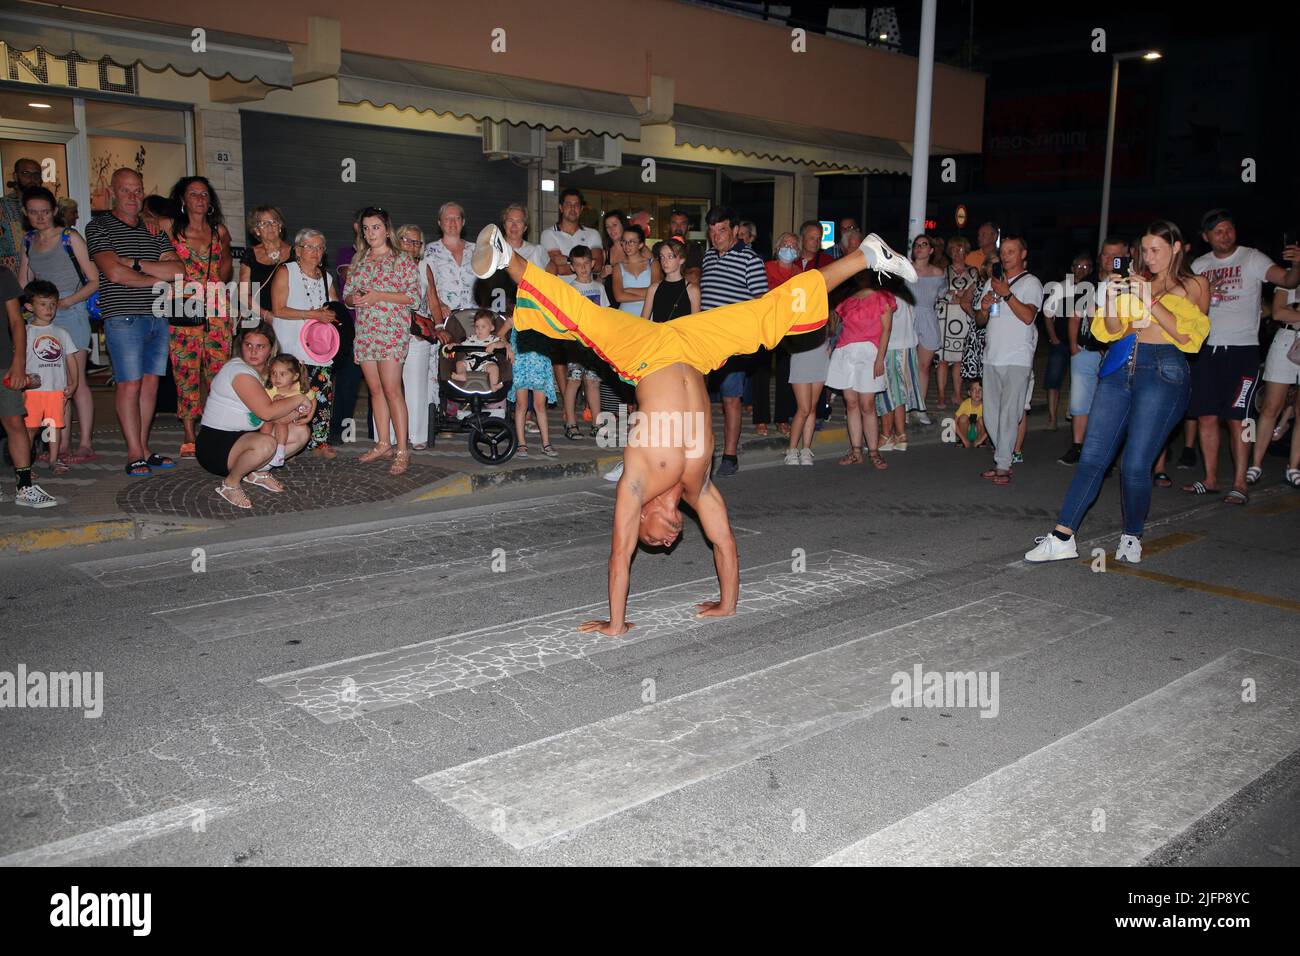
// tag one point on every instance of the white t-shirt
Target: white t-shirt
(1010, 341)
(48, 347)
(534, 254)
(224, 409)
(304, 294)
(902, 334)
(1234, 308)
(557, 238)
(595, 291)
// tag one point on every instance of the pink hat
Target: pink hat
(320, 341)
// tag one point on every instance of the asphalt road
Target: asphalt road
(410, 687)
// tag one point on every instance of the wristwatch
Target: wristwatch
(135, 266)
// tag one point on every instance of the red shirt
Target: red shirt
(777, 273)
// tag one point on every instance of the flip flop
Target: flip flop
(1162, 480)
(1002, 479)
(1198, 488)
(160, 461)
(1235, 497)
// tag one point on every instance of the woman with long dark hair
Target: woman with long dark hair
(383, 286)
(1144, 384)
(202, 334)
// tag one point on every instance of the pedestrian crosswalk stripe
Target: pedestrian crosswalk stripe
(542, 790)
(347, 689)
(1115, 791)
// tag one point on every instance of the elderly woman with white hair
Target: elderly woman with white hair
(300, 293)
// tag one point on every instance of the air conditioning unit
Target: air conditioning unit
(502, 140)
(603, 152)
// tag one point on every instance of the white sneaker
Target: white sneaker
(805, 456)
(615, 473)
(1130, 549)
(34, 496)
(792, 456)
(884, 259)
(921, 418)
(1052, 548)
(491, 252)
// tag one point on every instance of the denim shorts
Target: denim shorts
(137, 346)
(1083, 380)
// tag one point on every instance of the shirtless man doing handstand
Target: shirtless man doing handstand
(667, 361)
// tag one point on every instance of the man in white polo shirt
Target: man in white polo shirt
(1225, 375)
(559, 240)
(1008, 305)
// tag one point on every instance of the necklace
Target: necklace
(273, 254)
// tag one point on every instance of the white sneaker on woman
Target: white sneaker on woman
(491, 252)
(792, 456)
(884, 259)
(1130, 549)
(805, 456)
(1052, 548)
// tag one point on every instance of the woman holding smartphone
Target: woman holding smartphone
(1153, 318)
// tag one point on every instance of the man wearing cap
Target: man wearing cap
(1224, 377)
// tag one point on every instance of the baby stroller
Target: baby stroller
(480, 409)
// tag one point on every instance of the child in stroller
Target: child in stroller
(474, 374)
(484, 338)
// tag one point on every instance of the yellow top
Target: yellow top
(1192, 322)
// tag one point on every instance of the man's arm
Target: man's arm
(1283, 277)
(627, 519)
(17, 372)
(712, 511)
(116, 269)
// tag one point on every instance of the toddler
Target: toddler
(49, 348)
(286, 379)
(970, 418)
(484, 338)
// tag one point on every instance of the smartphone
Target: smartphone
(996, 269)
(1120, 264)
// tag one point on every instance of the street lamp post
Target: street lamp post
(1110, 131)
(921, 127)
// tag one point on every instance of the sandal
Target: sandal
(1253, 474)
(139, 468)
(379, 452)
(1002, 479)
(595, 431)
(1162, 480)
(234, 496)
(1198, 488)
(186, 450)
(400, 463)
(761, 429)
(260, 479)
(877, 461)
(60, 467)
(784, 429)
(80, 457)
(521, 451)
(854, 457)
(324, 451)
(572, 432)
(1293, 477)
(990, 474)
(1235, 497)
(549, 451)
(160, 461)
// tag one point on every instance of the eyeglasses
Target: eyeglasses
(266, 222)
(410, 241)
(311, 248)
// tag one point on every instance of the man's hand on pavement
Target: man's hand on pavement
(603, 627)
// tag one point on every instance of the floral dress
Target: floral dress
(206, 347)
(384, 330)
(531, 369)
(455, 280)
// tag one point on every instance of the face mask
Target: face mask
(787, 255)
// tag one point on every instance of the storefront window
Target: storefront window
(150, 141)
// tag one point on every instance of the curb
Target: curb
(90, 532)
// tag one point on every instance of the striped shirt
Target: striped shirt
(735, 277)
(107, 233)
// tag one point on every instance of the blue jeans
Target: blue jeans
(1135, 406)
(1083, 380)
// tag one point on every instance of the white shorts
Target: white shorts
(1277, 367)
(853, 367)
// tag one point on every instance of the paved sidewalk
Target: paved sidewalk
(98, 501)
